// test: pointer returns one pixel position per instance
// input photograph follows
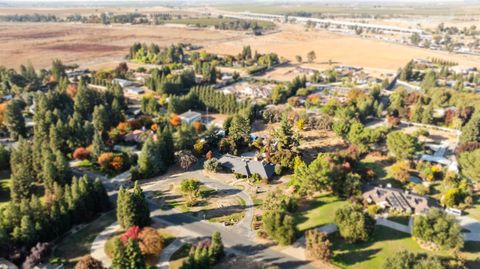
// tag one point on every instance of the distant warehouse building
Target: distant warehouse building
(122, 82)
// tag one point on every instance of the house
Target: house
(397, 199)
(122, 82)
(134, 90)
(246, 166)
(190, 116)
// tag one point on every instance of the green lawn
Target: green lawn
(474, 211)
(382, 172)
(4, 187)
(384, 243)
(74, 246)
(320, 211)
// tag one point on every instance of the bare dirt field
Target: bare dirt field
(93, 45)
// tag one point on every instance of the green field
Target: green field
(320, 211)
(410, 9)
(207, 22)
(384, 243)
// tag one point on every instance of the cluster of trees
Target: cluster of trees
(164, 82)
(407, 260)
(205, 254)
(401, 145)
(27, 221)
(157, 155)
(132, 208)
(153, 54)
(341, 173)
(353, 223)
(203, 97)
(243, 25)
(29, 18)
(277, 219)
(439, 228)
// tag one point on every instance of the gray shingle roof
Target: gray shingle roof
(247, 167)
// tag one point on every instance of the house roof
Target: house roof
(246, 166)
(190, 115)
(398, 199)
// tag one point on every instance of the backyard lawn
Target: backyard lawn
(319, 212)
(384, 243)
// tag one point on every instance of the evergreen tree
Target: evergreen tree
(134, 256)
(97, 145)
(150, 162)
(100, 119)
(14, 120)
(22, 174)
(121, 199)
(216, 251)
(120, 259)
(101, 196)
(166, 146)
(142, 212)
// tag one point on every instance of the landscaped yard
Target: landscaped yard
(384, 243)
(381, 167)
(319, 212)
(74, 246)
(474, 211)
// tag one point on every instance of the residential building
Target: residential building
(190, 116)
(247, 166)
(134, 90)
(397, 199)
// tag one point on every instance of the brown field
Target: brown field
(97, 46)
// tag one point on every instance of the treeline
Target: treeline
(154, 54)
(202, 97)
(165, 82)
(243, 25)
(29, 221)
(29, 18)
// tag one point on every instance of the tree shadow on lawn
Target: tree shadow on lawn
(351, 253)
(301, 214)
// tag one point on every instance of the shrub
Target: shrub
(439, 228)
(104, 160)
(211, 165)
(132, 233)
(279, 226)
(81, 153)
(88, 262)
(317, 245)
(150, 241)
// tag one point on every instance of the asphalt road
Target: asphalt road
(236, 240)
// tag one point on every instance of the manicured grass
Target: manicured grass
(382, 172)
(74, 246)
(474, 211)
(4, 187)
(372, 254)
(384, 243)
(176, 260)
(320, 211)
(232, 218)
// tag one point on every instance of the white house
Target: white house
(122, 82)
(190, 116)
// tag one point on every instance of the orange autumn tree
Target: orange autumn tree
(116, 163)
(3, 106)
(175, 120)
